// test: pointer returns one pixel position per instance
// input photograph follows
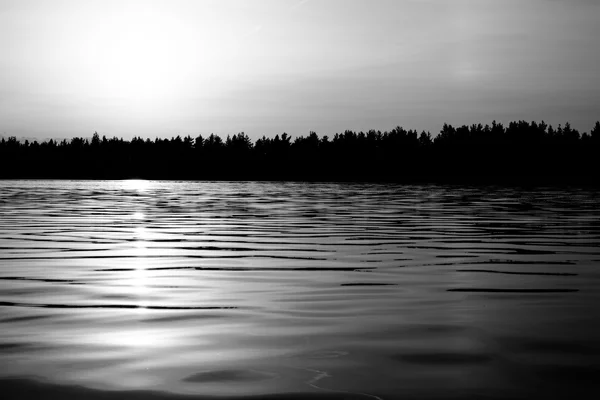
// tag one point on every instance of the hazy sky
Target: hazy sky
(162, 68)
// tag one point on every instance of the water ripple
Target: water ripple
(299, 289)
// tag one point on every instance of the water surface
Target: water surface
(238, 289)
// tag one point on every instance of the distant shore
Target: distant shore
(519, 153)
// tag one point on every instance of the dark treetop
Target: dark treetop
(521, 152)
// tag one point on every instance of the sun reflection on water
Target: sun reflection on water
(135, 337)
(139, 278)
(141, 236)
(137, 185)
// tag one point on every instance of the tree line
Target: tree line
(518, 152)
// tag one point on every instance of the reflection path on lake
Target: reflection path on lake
(375, 291)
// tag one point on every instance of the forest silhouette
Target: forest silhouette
(518, 152)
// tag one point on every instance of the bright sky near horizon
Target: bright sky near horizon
(175, 67)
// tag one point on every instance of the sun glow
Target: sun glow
(146, 58)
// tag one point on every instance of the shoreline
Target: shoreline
(504, 182)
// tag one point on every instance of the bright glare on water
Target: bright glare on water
(359, 290)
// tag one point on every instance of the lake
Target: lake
(242, 289)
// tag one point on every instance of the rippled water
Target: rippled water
(365, 290)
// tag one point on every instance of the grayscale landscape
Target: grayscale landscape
(299, 199)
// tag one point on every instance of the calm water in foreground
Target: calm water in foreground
(358, 291)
